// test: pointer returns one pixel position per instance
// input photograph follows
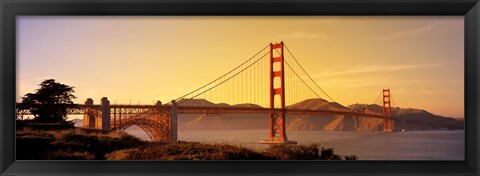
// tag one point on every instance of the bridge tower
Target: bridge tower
(277, 134)
(105, 118)
(174, 123)
(88, 116)
(387, 111)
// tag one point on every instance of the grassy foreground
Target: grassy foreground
(85, 144)
(200, 151)
(71, 144)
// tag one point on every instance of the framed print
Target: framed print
(253, 87)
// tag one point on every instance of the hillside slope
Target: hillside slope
(404, 118)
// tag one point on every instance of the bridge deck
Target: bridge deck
(246, 110)
(217, 110)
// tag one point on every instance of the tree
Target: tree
(50, 102)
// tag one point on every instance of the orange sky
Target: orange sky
(144, 59)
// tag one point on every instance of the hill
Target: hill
(404, 118)
(413, 119)
(330, 122)
(77, 122)
(408, 119)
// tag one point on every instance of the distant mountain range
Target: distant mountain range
(413, 119)
(404, 118)
(78, 122)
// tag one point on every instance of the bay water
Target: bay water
(409, 145)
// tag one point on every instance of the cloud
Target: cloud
(315, 20)
(408, 33)
(371, 68)
(437, 92)
(375, 82)
(306, 35)
(350, 82)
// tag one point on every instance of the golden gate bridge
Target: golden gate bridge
(263, 84)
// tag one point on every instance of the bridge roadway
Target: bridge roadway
(247, 110)
(136, 109)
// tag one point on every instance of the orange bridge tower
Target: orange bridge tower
(277, 134)
(387, 111)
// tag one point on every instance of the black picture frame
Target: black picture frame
(9, 9)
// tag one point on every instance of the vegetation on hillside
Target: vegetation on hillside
(201, 151)
(71, 144)
(86, 144)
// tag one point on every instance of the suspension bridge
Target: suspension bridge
(269, 83)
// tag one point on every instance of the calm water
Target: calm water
(410, 145)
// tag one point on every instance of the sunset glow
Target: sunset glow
(140, 60)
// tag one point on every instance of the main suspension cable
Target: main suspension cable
(308, 74)
(227, 78)
(222, 75)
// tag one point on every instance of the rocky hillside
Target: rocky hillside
(77, 122)
(408, 119)
(413, 119)
(330, 122)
